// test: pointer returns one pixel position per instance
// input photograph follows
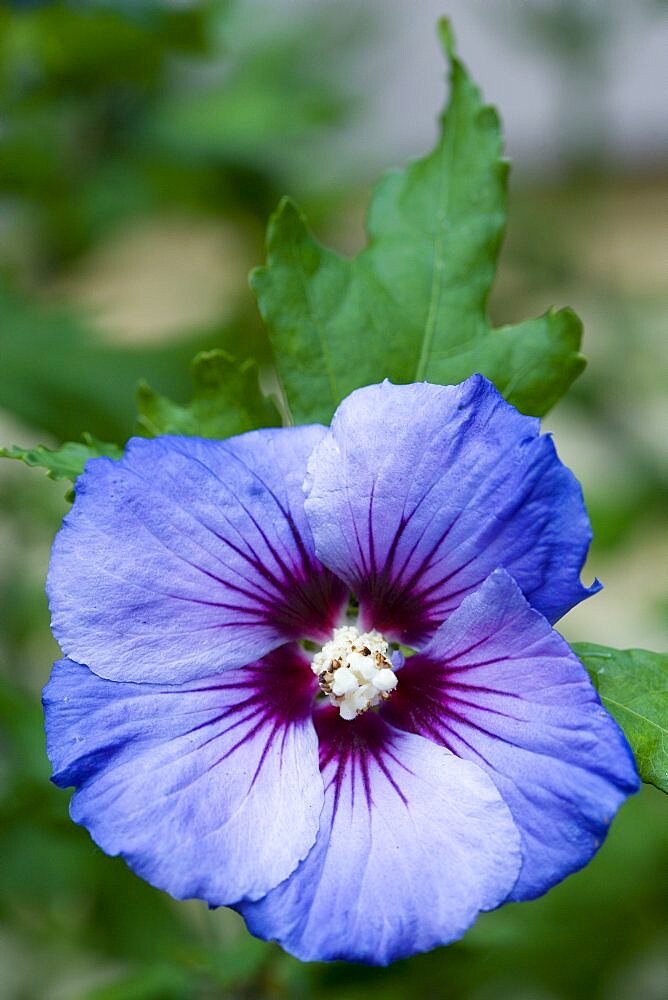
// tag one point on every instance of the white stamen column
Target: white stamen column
(354, 670)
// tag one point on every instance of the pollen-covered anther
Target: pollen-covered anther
(354, 670)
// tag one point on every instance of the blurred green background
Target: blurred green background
(142, 146)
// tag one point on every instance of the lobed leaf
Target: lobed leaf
(67, 461)
(413, 304)
(633, 686)
(227, 400)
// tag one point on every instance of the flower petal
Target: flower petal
(209, 790)
(413, 844)
(190, 555)
(420, 491)
(498, 686)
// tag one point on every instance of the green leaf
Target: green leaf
(633, 686)
(227, 401)
(67, 461)
(412, 304)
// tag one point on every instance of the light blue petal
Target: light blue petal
(420, 491)
(210, 789)
(498, 686)
(413, 844)
(189, 556)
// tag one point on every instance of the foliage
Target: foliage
(633, 685)
(227, 401)
(412, 305)
(66, 462)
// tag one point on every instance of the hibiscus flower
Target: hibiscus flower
(311, 673)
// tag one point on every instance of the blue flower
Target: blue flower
(349, 803)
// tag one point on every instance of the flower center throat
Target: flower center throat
(354, 670)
